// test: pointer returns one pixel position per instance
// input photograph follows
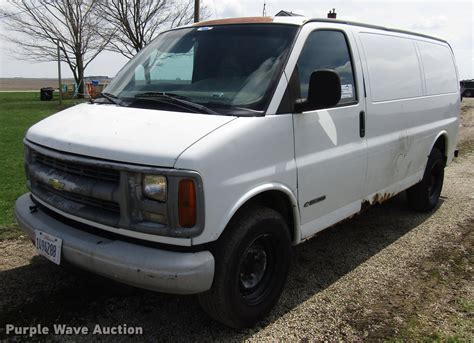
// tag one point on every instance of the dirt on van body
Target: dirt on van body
(387, 274)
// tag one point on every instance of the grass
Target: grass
(18, 111)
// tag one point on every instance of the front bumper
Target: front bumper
(133, 264)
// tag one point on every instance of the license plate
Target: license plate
(48, 246)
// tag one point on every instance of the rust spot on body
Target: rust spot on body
(381, 198)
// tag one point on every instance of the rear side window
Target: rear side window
(392, 63)
(438, 66)
(325, 49)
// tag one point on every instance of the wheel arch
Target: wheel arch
(441, 143)
(276, 196)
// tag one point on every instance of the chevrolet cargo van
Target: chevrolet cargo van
(223, 144)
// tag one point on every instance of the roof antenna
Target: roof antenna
(264, 13)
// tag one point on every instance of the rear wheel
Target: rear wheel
(425, 194)
(252, 262)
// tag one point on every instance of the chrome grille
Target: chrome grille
(98, 173)
(84, 190)
(85, 200)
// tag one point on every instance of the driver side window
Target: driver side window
(326, 49)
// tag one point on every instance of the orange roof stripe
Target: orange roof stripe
(242, 20)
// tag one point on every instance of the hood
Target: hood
(131, 135)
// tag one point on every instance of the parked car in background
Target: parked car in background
(467, 88)
(224, 143)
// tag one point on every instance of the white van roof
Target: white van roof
(299, 20)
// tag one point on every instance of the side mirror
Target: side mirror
(324, 91)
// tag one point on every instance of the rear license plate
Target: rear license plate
(48, 246)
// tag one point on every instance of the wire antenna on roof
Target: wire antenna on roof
(264, 13)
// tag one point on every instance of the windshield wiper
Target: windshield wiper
(165, 94)
(112, 98)
(175, 99)
(236, 110)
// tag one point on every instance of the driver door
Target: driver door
(330, 147)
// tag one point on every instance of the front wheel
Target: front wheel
(425, 194)
(252, 262)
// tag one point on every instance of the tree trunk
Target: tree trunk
(80, 76)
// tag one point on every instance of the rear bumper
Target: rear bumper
(144, 267)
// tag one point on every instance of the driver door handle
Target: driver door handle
(362, 124)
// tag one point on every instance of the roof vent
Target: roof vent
(333, 14)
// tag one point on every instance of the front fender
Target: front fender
(259, 190)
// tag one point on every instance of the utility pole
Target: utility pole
(59, 74)
(264, 9)
(196, 11)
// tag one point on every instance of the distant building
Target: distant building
(332, 14)
(283, 13)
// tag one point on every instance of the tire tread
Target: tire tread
(417, 195)
(213, 301)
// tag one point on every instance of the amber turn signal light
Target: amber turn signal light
(187, 203)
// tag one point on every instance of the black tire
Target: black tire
(425, 194)
(248, 282)
(467, 94)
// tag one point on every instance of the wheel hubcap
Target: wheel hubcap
(253, 266)
(256, 273)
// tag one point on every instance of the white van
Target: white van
(222, 144)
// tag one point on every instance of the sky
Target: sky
(450, 20)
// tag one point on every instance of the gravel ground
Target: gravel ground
(387, 273)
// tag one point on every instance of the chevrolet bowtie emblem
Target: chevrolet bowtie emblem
(56, 184)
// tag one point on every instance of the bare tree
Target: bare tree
(36, 26)
(134, 23)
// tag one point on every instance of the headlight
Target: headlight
(155, 187)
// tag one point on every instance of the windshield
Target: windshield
(228, 68)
